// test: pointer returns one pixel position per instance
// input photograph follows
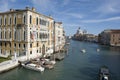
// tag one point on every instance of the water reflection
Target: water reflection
(76, 66)
(115, 49)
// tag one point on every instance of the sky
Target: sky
(91, 15)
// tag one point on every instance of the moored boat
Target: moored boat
(48, 64)
(68, 43)
(33, 67)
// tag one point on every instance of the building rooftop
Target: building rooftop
(22, 10)
(115, 31)
(111, 31)
(59, 22)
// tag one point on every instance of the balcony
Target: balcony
(31, 40)
(21, 25)
(43, 40)
(5, 40)
(37, 39)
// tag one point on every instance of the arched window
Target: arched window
(5, 35)
(43, 35)
(40, 35)
(15, 20)
(5, 21)
(10, 20)
(1, 34)
(1, 21)
(37, 21)
(24, 35)
(40, 50)
(15, 35)
(10, 52)
(24, 45)
(5, 44)
(24, 19)
(10, 34)
(10, 44)
(30, 19)
(37, 44)
(37, 35)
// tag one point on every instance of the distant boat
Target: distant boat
(49, 64)
(104, 73)
(83, 51)
(33, 67)
(68, 43)
(98, 50)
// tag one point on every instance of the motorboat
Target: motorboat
(104, 73)
(47, 63)
(53, 62)
(33, 67)
(83, 51)
(98, 50)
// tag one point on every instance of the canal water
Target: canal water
(76, 65)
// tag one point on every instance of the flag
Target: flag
(32, 36)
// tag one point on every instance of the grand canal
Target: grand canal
(76, 66)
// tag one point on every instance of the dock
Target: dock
(59, 56)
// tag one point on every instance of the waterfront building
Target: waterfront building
(91, 38)
(79, 31)
(82, 35)
(26, 32)
(78, 35)
(59, 36)
(110, 37)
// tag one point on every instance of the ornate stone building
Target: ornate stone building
(26, 32)
(59, 36)
(110, 37)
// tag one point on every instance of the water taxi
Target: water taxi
(83, 51)
(104, 73)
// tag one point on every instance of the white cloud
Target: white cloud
(76, 15)
(72, 25)
(101, 20)
(4, 5)
(65, 2)
(44, 5)
(13, 0)
(110, 6)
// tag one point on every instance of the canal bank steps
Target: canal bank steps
(8, 65)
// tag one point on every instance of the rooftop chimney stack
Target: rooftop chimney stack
(50, 16)
(11, 10)
(27, 8)
(33, 9)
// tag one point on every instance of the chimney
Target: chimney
(33, 9)
(11, 10)
(50, 16)
(27, 8)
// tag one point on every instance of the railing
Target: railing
(5, 39)
(43, 39)
(32, 40)
(37, 39)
